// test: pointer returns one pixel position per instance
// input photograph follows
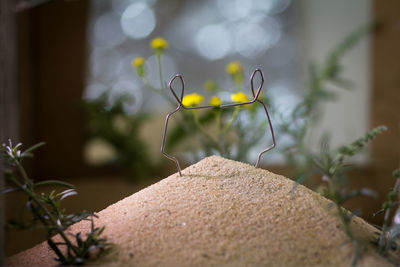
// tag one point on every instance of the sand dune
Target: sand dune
(222, 213)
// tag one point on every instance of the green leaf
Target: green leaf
(10, 189)
(359, 192)
(79, 239)
(27, 152)
(56, 183)
(77, 217)
(360, 143)
(300, 180)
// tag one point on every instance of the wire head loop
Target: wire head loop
(255, 95)
(179, 99)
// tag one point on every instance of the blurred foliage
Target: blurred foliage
(120, 131)
(332, 166)
(233, 134)
(306, 113)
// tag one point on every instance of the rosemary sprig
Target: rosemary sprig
(332, 168)
(46, 209)
(298, 125)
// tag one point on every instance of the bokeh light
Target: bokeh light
(218, 31)
(169, 68)
(106, 32)
(138, 20)
(234, 9)
(119, 6)
(213, 41)
(250, 39)
(272, 7)
(94, 91)
(105, 64)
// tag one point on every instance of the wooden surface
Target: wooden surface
(386, 83)
(8, 97)
(52, 71)
(385, 102)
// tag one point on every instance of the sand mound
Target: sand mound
(222, 213)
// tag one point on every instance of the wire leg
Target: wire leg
(164, 137)
(272, 133)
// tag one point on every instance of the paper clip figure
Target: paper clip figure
(179, 98)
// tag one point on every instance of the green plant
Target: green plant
(298, 155)
(332, 167)
(306, 113)
(389, 235)
(232, 137)
(46, 210)
(239, 140)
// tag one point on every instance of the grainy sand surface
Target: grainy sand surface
(222, 213)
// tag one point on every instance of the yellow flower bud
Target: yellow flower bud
(234, 68)
(240, 98)
(159, 44)
(215, 101)
(138, 62)
(192, 100)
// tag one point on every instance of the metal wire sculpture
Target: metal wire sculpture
(181, 106)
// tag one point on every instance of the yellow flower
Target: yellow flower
(240, 98)
(234, 68)
(138, 62)
(192, 100)
(159, 44)
(215, 101)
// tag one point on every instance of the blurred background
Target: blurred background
(67, 79)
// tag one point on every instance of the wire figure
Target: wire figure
(180, 106)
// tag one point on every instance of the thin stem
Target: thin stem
(218, 122)
(356, 253)
(39, 203)
(24, 175)
(238, 81)
(160, 73)
(220, 140)
(346, 220)
(149, 85)
(382, 238)
(385, 226)
(229, 124)
(204, 132)
(158, 91)
(238, 86)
